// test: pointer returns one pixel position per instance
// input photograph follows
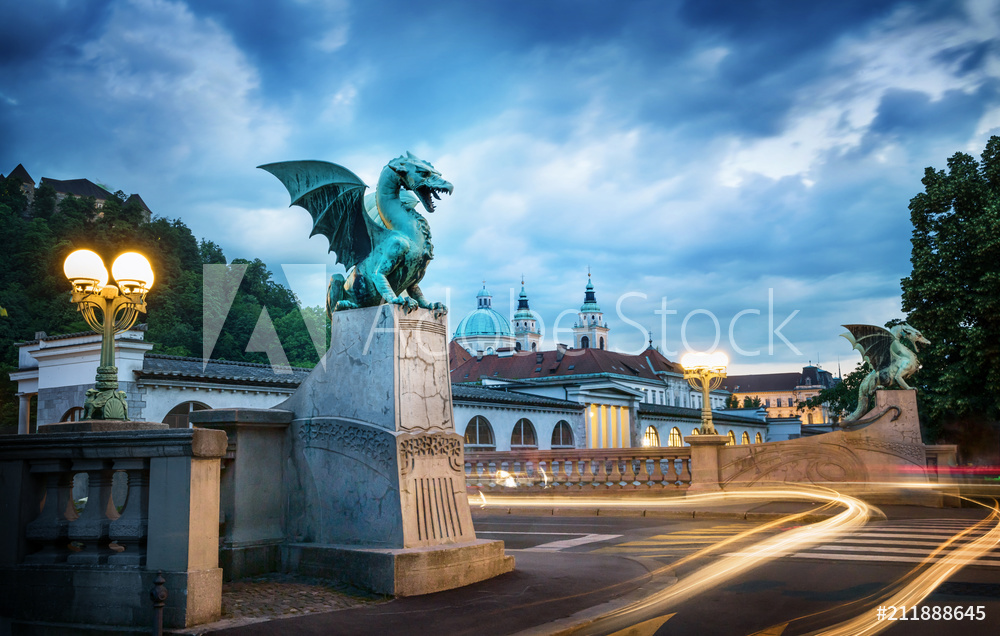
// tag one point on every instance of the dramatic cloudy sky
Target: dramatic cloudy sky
(743, 159)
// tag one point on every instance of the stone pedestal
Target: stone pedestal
(705, 462)
(377, 470)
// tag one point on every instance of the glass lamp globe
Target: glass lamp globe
(86, 269)
(133, 272)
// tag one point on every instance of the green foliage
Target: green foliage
(732, 402)
(953, 294)
(841, 398)
(752, 403)
(36, 295)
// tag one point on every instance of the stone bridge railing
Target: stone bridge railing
(146, 501)
(580, 469)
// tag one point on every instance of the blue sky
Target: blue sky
(728, 156)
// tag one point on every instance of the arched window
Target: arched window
(562, 435)
(602, 343)
(517, 346)
(732, 439)
(75, 414)
(651, 438)
(523, 435)
(746, 438)
(534, 346)
(675, 437)
(810, 420)
(489, 351)
(585, 342)
(479, 435)
(758, 439)
(695, 431)
(179, 416)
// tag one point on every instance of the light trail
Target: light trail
(939, 564)
(910, 590)
(854, 516)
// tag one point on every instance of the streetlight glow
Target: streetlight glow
(133, 272)
(705, 360)
(86, 270)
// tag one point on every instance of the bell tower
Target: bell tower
(590, 331)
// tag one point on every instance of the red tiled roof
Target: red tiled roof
(457, 355)
(544, 364)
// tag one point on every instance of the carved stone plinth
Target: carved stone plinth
(377, 468)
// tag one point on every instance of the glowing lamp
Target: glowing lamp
(85, 270)
(703, 360)
(133, 272)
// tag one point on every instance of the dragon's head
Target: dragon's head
(420, 177)
(906, 331)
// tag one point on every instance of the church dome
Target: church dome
(484, 320)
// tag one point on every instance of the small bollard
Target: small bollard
(159, 597)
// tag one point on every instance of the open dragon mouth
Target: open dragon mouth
(428, 194)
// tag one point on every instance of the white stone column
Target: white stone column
(23, 413)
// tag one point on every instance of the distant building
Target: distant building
(780, 393)
(74, 188)
(585, 396)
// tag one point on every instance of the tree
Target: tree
(752, 403)
(732, 402)
(953, 297)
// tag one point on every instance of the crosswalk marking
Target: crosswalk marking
(910, 541)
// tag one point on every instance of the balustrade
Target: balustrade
(578, 469)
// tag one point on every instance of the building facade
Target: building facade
(781, 393)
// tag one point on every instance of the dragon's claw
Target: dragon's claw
(438, 309)
(407, 303)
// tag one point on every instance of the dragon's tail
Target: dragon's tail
(865, 390)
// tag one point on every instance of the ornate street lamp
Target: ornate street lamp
(119, 307)
(705, 371)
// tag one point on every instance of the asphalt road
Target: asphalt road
(572, 570)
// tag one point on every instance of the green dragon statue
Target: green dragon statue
(388, 253)
(891, 361)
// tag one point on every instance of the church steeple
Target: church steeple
(526, 334)
(590, 330)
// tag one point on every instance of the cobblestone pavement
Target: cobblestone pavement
(282, 595)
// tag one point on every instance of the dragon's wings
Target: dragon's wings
(873, 342)
(334, 196)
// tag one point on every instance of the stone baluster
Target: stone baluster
(643, 476)
(89, 533)
(657, 476)
(573, 468)
(51, 527)
(129, 531)
(685, 476)
(601, 477)
(629, 476)
(671, 476)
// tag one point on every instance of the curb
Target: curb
(651, 513)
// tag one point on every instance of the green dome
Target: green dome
(484, 321)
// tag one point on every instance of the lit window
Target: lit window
(746, 438)
(732, 439)
(758, 439)
(675, 437)
(651, 438)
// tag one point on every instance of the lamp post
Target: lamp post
(705, 371)
(119, 307)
